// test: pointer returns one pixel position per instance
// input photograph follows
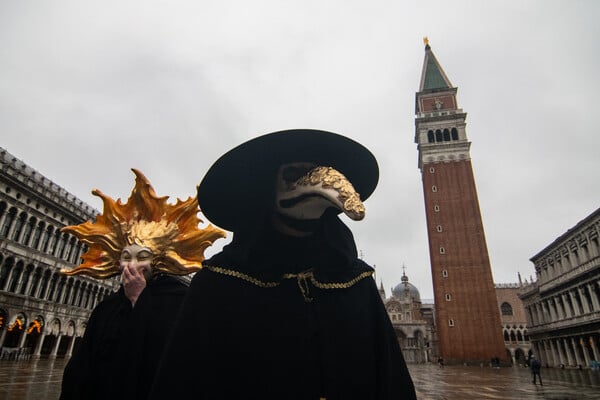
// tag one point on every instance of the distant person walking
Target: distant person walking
(536, 366)
(441, 362)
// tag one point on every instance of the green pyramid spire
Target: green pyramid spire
(433, 76)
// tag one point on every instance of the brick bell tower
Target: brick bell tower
(467, 316)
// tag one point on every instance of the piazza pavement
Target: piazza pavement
(40, 380)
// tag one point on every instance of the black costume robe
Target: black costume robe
(249, 331)
(121, 347)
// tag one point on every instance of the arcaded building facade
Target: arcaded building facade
(42, 313)
(514, 322)
(410, 322)
(467, 330)
(563, 305)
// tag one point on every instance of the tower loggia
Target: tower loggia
(467, 316)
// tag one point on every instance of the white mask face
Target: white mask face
(139, 257)
(305, 191)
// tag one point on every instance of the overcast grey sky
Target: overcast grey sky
(89, 89)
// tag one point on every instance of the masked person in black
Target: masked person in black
(146, 241)
(286, 310)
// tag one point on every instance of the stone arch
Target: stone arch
(36, 281)
(34, 332)
(37, 235)
(20, 222)
(53, 332)
(3, 207)
(509, 355)
(5, 271)
(520, 356)
(446, 135)
(401, 336)
(506, 309)
(52, 287)
(26, 276)
(15, 330)
(454, 134)
(8, 221)
(3, 319)
(29, 229)
(47, 239)
(13, 279)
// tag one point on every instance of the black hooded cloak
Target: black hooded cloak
(279, 317)
(121, 347)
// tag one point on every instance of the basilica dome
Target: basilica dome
(404, 287)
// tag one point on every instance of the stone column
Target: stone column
(54, 351)
(574, 346)
(38, 346)
(561, 352)
(21, 341)
(28, 283)
(61, 295)
(512, 356)
(20, 281)
(540, 351)
(71, 345)
(555, 355)
(553, 309)
(574, 304)
(584, 301)
(551, 313)
(3, 218)
(594, 348)
(540, 312)
(9, 278)
(11, 229)
(586, 352)
(36, 290)
(568, 311)
(560, 307)
(568, 352)
(594, 297)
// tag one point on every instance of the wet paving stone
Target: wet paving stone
(485, 383)
(40, 380)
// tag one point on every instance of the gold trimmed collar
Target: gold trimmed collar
(303, 278)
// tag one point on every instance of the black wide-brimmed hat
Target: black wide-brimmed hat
(241, 184)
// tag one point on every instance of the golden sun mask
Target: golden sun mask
(170, 231)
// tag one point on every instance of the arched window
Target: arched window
(5, 271)
(454, 133)
(37, 234)
(10, 217)
(513, 338)
(506, 338)
(14, 278)
(506, 309)
(29, 230)
(26, 274)
(430, 136)
(37, 275)
(46, 238)
(446, 135)
(19, 226)
(438, 135)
